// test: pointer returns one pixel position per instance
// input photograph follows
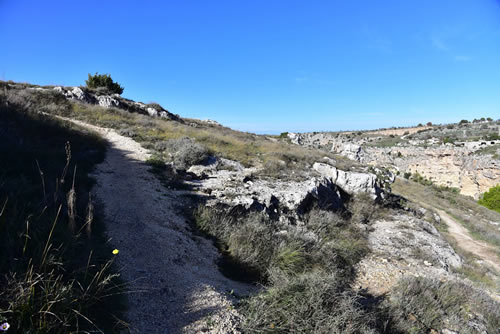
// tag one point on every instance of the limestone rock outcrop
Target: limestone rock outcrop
(457, 165)
(351, 182)
(114, 101)
(107, 101)
(327, 187)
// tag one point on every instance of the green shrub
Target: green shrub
(184, 152)
(493, 136)
(103, 81)
(491, 198)
(447, 140)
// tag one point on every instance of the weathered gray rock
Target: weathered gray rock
(152, 112)
(285, 201)
(76, 93)
(107, 101)
(349, 150)
(211, 122)
(116, 101)
(231, 184)
(350, 182)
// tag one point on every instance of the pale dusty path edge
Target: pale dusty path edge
(158, 251)
(468, 243)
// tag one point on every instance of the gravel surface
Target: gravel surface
(175, 284)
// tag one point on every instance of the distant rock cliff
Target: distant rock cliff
(463, 165)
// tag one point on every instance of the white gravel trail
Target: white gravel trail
(185, 292)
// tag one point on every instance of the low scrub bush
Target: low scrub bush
(307, 270)
(184, 152)
(419, 305)
(312, 302)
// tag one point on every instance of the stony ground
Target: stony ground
(175, 284)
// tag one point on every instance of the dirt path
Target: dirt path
(466, 242)
(158, 253)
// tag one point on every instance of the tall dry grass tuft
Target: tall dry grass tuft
(49, 282)
(89, 218)
(71, 200)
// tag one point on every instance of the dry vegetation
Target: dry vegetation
(474, 217)
(57, 273)
(306, 271)
(277, 157)
(466, 211)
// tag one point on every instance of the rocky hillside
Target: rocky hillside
(312, 232)
(465, 156)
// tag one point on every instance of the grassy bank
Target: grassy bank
(473, 216)
(57, 272)
(278, 157)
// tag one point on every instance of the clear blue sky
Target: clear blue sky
(270, 66)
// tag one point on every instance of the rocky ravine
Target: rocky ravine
(457, 166)
(282, 200)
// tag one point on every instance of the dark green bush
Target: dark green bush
(100, 81)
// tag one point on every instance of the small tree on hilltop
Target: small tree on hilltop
(97, 81)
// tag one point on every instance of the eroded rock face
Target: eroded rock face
(107, 101)
(349, 150)
(405, 245)
(456, 166)
(326, 187)
(445, 165)
(114, 101)
(351, 182)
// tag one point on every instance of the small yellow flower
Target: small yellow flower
(115, 251)
(271, 326)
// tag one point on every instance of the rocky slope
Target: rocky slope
(184, 290)
(472, 166)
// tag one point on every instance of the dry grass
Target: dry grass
(247, 148)
(458, 206)
(55, 262)
(278, 158)
(419, 305)
(307, 278)
(473, 216)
